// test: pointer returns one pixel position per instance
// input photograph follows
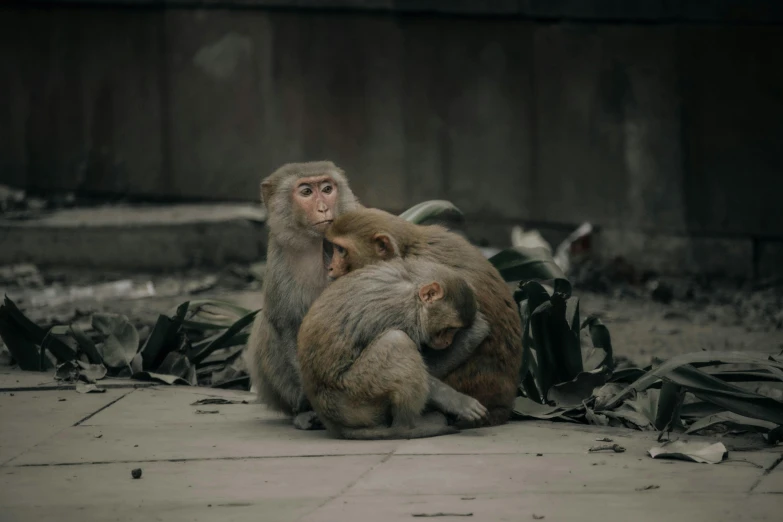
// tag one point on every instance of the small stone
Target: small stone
(136, 473)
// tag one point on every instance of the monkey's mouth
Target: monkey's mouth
(324, 222)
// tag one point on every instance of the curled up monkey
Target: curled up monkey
(359, 350)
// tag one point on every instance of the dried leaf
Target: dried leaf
(122, 340)
(165, 379)
(701, 452)
(83, 387)
(91, 372)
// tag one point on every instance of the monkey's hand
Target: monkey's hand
(448, 400)
(308, 420)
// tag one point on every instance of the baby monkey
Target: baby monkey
(358, 350)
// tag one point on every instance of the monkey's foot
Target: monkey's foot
(308, 420)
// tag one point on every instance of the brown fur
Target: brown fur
(358, 347)
(491, 373)
(295, 276)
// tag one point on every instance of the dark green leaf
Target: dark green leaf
(161, 341)
(699, 357)
(599, 335)
(61, 351)
(33, 332)
(122, 339)
(699, 409)
(524, 407)
(86, 345)
(224, 338)
(728, 396)
(627, 375)
(731, 419)
(580, 389)
(745, 375)
(433, 209)
(524, 264)
(181, 312)
(22, 348)
(669, 403)
(178, 365)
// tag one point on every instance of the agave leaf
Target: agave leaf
(728, 396)
(33, 332)
(161, 341)
(525, 264)
(224, 338)
(85, 344)
(524, 407)
(731, 419)
(575, 392)
(22, 348)
(599, 335)
(697, 410)
(656, 374)
(432, 209)
(670, 401)
(627, 375)
(746, 375)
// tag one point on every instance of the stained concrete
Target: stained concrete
(138, 237)
(245, 463)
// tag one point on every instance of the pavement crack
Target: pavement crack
(766, 472)
(197, 459)
(103, 408)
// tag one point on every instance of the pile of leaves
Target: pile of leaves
(563, 376)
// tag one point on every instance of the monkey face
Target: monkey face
(344, 257)
(315, 199)
(442, 339)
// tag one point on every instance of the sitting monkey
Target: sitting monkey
(358, 350)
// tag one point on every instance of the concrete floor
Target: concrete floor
(67, 456)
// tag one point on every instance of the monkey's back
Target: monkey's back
(344, 320)
(491, 374)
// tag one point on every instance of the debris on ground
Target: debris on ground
(608, 447)
(216, 400)
(442, 514)
(647, 488)
(136, 473)
(696, 451)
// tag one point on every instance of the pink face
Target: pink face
(317, 198)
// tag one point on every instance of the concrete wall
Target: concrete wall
(546, 112)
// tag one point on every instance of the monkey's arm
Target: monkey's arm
(448, 400)
(442, 362)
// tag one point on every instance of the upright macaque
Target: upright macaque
(358, 350)
(302, 200)
(491, 372)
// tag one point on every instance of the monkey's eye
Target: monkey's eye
(340, 250)
(306, 191)
(327, 189)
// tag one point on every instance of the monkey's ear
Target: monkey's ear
(266, 191)
(431, 292)
(384, 246)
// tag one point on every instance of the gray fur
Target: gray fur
(295, 277)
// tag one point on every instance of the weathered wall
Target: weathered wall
(572, 112)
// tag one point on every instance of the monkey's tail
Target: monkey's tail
(387, 433)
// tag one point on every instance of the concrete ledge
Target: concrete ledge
(678, 255)
(138, 238)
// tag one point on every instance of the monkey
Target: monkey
(358, 350)
(491, 372)
(301, 200)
